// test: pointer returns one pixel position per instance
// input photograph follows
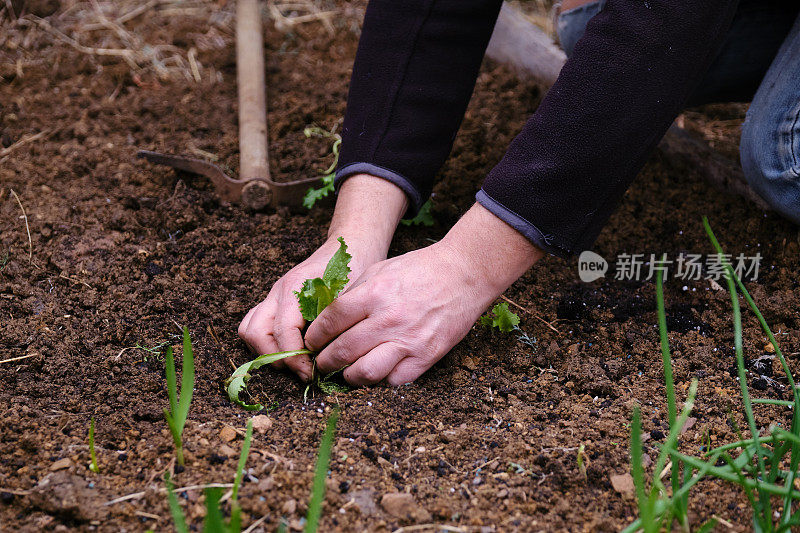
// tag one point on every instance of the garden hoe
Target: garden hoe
(254, 188)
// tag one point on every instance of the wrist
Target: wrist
(368, 210)
(493, 254)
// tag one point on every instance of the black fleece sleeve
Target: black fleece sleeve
(415, 69)
(628, 78)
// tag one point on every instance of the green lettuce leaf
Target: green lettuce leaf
(238, 380)
(504, 319)
(423, 217)
(318, 293)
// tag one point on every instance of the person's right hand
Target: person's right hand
(367, 212)
(276, 325)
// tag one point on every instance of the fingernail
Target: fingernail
(305, 377)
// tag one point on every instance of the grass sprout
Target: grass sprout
(320, 474)
(764, 466)
(93, 464)
(179, 408)
(215, 521)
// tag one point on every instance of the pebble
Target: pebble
(227, 434)
(402, 505)
(61, 464)
(290, 507)
(622, 483)
(262, 423)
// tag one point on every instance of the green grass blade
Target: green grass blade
(672, 410)
(172, 382)
(669, 384)
(733, 476)
(759, 316)
(669, 444)
(637, 472)
(235, 524)
(213, 522)
(92, 455)
(174, 507)
(320, 474)
(187, 381)
(237, 482)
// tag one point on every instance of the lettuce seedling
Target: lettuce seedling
(314, 195)
(504, 319)
(315, 295)
(318, 293)
(179, 409)
(422, 218)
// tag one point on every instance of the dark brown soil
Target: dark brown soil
(121, 252)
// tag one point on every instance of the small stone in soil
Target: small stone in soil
(227, 434)
(622, 483)
(402, 505)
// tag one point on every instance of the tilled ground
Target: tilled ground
(120, 252)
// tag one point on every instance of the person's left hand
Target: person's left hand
(400, 317)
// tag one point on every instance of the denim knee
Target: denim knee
(770, 155)
(571, 24)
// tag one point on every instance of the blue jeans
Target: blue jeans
(759, 61)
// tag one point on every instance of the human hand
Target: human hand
(367, 212)
(276, 325)
(404, 314)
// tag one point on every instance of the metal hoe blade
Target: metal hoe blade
(254, 189)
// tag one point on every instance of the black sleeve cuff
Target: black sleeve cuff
(415, 199)
(525, 227)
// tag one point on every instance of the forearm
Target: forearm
(494, 252)
(367, 212)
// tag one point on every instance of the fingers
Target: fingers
(256, 328)
(348, 347)
(273, 327)
(346, 311)
(407, 370)
(287, 330)
(242, 331)
(374, 366)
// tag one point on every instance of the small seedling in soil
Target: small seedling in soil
(214, 521)
(179, 409)
(314, 296)
(504, 319)
(314, 195)
(93, 464)
(422, 218)
(583, 461)
(320, 474)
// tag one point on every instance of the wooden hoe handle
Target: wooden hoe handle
(254, 160)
